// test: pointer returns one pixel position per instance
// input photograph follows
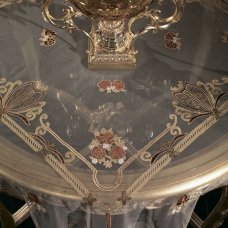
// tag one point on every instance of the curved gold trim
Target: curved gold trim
(157, 23)
(210, 167)
(66, 21)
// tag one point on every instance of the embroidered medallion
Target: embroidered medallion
(172, 41)
(107, 148)
(115, 86)
(47, 38)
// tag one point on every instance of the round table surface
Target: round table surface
(152, 132)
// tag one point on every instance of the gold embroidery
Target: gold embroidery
(194, 101)
(22, 100)
(171, 127)
(115, 86)
(38, 144)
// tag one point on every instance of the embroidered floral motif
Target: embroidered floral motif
(225, 37)
(118, 86)
(115, 86)
(47, 38)
(107, 148)
(23, 101)
(172, 40)
(105, 85)
(182, 199)
(194, 101)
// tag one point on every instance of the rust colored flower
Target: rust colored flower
(105, 137)
(118, 84)
(170, 35)
(104, 84)
(172, 40)
(117, 152)
(98, 152)
(49, 32)
(47, 38)
(182, 199)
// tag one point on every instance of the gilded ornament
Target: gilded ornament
(112, 39)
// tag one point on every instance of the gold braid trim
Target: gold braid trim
(140, 182)
(67, 175)
(19, 131)
(50, 159)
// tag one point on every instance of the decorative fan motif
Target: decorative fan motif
(107, 148)
(194, 101)
(22, 101)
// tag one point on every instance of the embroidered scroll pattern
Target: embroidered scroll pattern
(27, 106)
(211, 104)
(174, 131)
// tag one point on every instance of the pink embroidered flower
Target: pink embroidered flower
(104, 84)
(118, 85)
(105, 137)
(107, 148)
(49, 32)
(117, 152)
(98, 152)
(47, 38)
(170, 44)
(170, 35)
(172, 40)
(48, 42)
(115, 86)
